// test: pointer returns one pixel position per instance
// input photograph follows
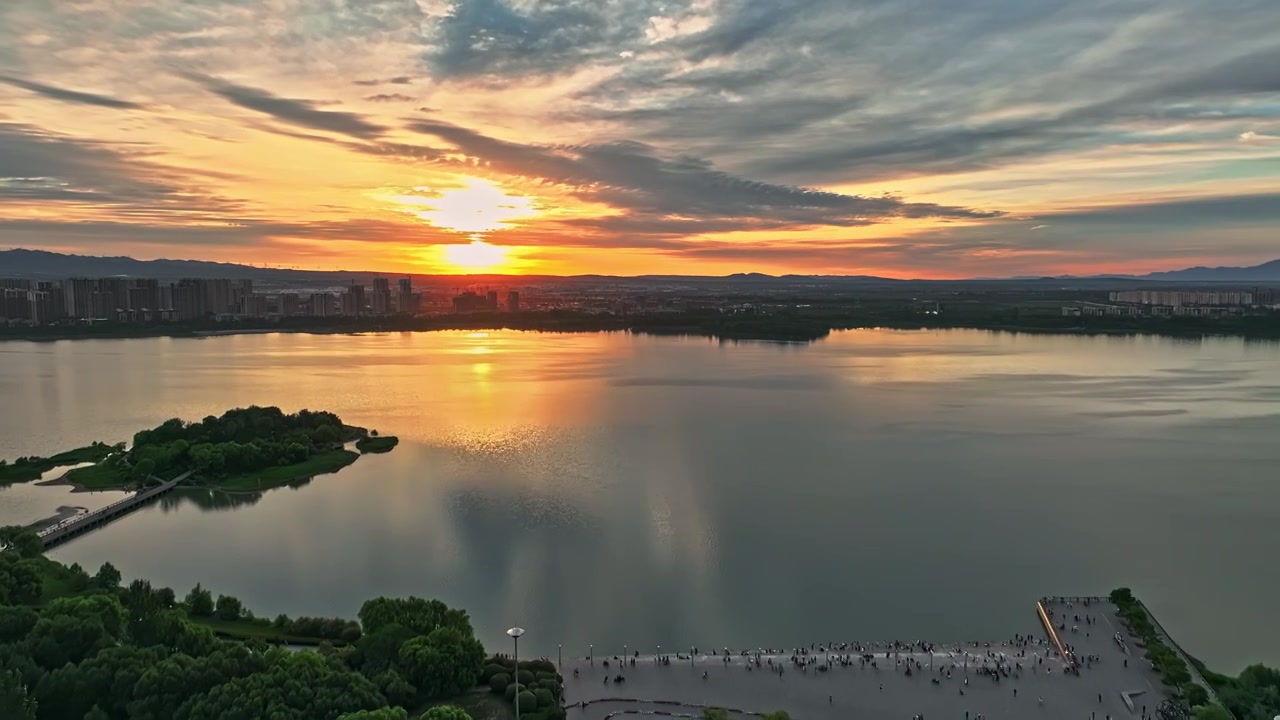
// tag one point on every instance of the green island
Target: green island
(26, 469)
(375, 443)
(243, 450)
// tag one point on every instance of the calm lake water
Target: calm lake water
(611, 489)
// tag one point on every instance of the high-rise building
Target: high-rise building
(493, 299)
(15, 304)
(289, 304)
(405, 303)
(353, 301)
(77, 296)
(42, 310)
(380, 300)
(320, 305)
(190, 299)
(513, 301)
(241, 291)
(469, 302)
(255, 305)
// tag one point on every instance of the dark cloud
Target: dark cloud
(677, 194)
(389, 97)
(36, 165)
(71, 96)
(398, 80)
(293, 111)
(1255, 209)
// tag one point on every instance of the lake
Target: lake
(608, 488)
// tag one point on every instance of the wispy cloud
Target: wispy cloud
(71, 96)
(289, 110)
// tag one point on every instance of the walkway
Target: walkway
(72, 527)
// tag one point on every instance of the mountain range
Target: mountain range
(24, 263)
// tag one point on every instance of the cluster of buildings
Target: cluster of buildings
(471, 302)
(1175, 303)
(1209, 298)
(135, 300)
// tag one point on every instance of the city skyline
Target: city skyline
(700, 137)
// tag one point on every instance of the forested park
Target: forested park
(74, 645)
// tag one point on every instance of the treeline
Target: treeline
(74, 646)
(241, 440)
(1254, 695)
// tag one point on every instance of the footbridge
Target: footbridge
(80, 524)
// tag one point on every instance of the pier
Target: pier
(80, 524)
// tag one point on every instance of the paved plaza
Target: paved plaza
(852, 687)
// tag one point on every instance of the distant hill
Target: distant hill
(1266, 272)
(42, 264)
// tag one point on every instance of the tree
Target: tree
(776, 715)
(445, 712)
(397, 690)
(229, 608)
(20, 582)
(419, 615)
(380, 649)
(199, 602)
(97, 713)
(16, 623)
(446, 662)
(72, 629)
(295, 686)
(21, 540)
(1212, 712)
(715, 714)
(108, 577)
(15, 702)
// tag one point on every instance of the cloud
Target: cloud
(71, 96)
(677, 194)
(398, 80)
(293, 111)
(389, 97)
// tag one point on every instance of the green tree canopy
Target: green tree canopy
(295, 686)
(446, 662)
(108, 577)
(199, 602)
(446, 712)
(419, 615)
(1211, 712)
(380, 714)
(21, 540)
(15, 701)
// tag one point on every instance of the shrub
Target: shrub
(489, 670)
(498, 682)
(528, 699)
(544, 697)
(1195, 694)
(525, 677)
(512, 689)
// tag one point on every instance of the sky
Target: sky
(906, 138)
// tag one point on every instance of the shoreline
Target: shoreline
(803, 333)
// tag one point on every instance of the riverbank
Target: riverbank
(804, 323)
(285, 475)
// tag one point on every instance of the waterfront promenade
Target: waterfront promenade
(962, 682)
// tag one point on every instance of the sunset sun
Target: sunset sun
(478, 255)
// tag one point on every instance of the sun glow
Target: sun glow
(478, 255)
(479, 206)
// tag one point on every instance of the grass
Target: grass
(479, 705)
(282, 475)
(32, 468)
(379, 444)
(98, 477)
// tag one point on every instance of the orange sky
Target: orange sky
(430, 136)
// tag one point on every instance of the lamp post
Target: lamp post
(560, 658)
(591, 654)
(515, 634)
(658, 659)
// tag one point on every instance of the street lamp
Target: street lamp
(515, 634)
